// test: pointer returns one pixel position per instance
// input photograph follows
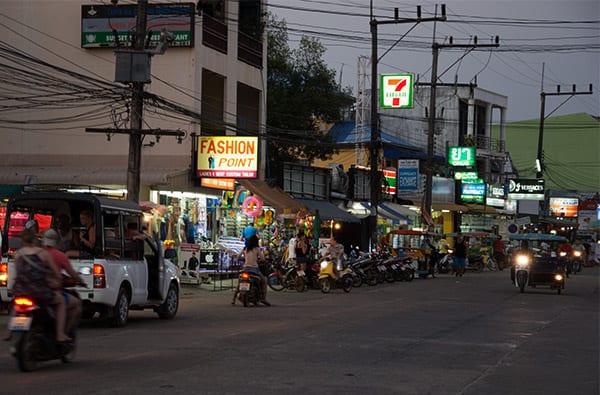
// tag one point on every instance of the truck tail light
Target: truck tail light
(99, 276)
(3, 274)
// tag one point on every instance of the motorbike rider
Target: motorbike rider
(50, 239)
(336, 253)
(38, 277)
(252, 254)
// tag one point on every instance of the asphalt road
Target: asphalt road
(478, 335)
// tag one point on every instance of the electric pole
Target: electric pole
(375, 143)
(426, 209)
(137, 109)
(138, 75)
(540, 151)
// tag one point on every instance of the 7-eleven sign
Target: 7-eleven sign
(396, 91)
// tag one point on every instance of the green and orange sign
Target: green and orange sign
(396, 90)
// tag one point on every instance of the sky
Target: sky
(562, 38)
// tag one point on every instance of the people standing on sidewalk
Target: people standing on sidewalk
(461, 253)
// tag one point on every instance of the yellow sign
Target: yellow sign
(227, 156)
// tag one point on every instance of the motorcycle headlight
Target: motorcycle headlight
(523, 260)
(577, 253)
(562, 253)
(558, 277)
(450, 251)
(324, 264)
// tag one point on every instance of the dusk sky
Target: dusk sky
(563, 35)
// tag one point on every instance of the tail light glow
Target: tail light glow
(23, 304)
(3, 274)
(99, 276)
(245, 275)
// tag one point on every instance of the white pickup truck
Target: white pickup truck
(122, 273)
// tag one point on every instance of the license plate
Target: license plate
(244, 286)
(300, 272)
(19, 324)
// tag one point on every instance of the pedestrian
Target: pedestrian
(193, 262)
(499, 252)
(461, 254)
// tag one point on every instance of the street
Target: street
(473, 335)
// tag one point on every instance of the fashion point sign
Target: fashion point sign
(227, 156)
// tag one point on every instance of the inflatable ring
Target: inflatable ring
(252, 206)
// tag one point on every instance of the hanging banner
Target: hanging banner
(227, 156)
(396, 91)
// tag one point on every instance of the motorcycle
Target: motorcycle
(33, 334)
(328, 279)
(444, 265)
(249, 288)
(286, 277)
(577, 261)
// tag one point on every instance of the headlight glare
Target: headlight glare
(522, 260)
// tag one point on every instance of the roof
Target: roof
(345, 133)
(272, 196)
(329, 211)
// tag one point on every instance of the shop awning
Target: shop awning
(393, 211)
(449, 207)
(273, 196)
(482, 209)
(329, 211)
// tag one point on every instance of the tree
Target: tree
(301, 94)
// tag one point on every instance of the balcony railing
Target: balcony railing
(214, 34)
(484, 142)
(250, 50)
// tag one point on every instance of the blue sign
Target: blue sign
(473, 192)
(408, 179)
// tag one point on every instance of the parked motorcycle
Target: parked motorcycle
(286, 277)
(445, 263)
(33, 334)
(328, 279)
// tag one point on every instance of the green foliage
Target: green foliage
(301, 94)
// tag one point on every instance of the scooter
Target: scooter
(249, 288)
(444, 265)
(287, 277)
(577, 261)
(328, 280)
(33, 334)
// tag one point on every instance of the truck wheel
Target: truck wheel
(120, 311)
(169, 308)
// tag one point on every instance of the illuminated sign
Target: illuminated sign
(474, 193)
(466, 175)
(99, 23)
(396, 91)
(563, 207)
(495, 195)
(461, 156)
(227, 184)
(227, 156)
(521, 189)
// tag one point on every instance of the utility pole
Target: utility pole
(137, 109)
(426, 209)
(375, 143)
(540, 151)
(138, 76)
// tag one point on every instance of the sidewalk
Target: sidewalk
(214, 287)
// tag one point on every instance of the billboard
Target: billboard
(522, 189)
(99, 23)
(495, 195)
(473, 193)
(396, 91)
(227, 156)
(461, 156)
(563, 207)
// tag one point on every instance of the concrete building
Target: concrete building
(210, 81)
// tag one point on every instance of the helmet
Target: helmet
(49, 238)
